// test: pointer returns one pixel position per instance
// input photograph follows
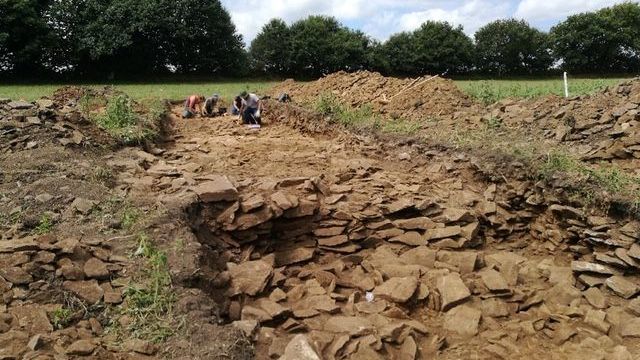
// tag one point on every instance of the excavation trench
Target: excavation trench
(370, 257)
(300, 256)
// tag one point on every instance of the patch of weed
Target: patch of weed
(129, 217)
(44, 226)
(60, 318)
(122, 122)
(359, 118)
(494, 123)
(401, 127)
(149, 303)
(104, 176)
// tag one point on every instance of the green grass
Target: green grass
(60, 318)
(44, 226)
(169, 90)
(490, 91)
(130, 217)
(128, 122)
(149, 302)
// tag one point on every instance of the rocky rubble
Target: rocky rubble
(602, 126)
(48, 267)
(358, 271)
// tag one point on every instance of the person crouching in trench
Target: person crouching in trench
(250, 108)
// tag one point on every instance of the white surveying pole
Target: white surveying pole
(566, 85)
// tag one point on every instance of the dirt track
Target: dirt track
(314, 243)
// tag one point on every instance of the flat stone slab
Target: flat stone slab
(20, 105)
(294, 256)
(583, 266)
(622, 287)
(217, 189)
(352, 325)
(494, 281)
(24, 244)
(443, 233)
(397, 289)
(249, 277)
(463, 320)
(452, 290)
(411, 238)
(299, 348)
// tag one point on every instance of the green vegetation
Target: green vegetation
(129, 217)
(588, 179)
(401, 127)
(123, 123)
(145, 91)
(104, 176)
(149, 302)
(53, 38)
(490, 91)
(44, 226)
(60, 318)
(511, 47)
(362, 117)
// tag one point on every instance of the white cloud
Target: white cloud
(471, 15)
(536, 10)
(381, 18)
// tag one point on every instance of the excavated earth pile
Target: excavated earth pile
(420, 99)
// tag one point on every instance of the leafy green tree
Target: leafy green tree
(130, 37)
(270, 51)
(604, 41)
(512, 47)
(24, 36)
(442, 47)
(321, 45)
(433, 48)
(400, 54)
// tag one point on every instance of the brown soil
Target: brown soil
(419, 99)
(303, 241)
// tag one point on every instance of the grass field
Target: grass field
(172, 91)
(490, 91)
(487, 91)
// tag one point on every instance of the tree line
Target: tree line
(127, 38)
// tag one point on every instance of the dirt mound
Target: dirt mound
(71, 95)
(419, 98)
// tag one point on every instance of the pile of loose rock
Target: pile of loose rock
(39, 278)
(364, 276)
(25, 125)
(603, 125)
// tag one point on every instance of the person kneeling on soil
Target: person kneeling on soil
(237, 105)
(192, 105)
(250, 108)
(210, 105)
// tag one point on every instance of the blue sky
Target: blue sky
(381, 18)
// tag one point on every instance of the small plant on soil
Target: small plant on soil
(130, 217)
(121, 121)
(493, 123)
(60, 318)
(44, 226)
(401, 127)
(104, 176)
(149, 302)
